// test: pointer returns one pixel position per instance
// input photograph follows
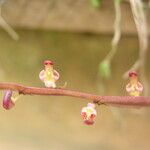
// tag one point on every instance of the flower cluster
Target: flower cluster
(49, 76)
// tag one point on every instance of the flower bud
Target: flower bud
(7, 100)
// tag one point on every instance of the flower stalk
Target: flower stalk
(107, 100)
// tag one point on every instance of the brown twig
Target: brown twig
(112, 100)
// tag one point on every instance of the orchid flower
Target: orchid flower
(134, 87)
(48, 75)
(89, 114)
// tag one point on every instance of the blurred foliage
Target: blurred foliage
(105, 69)
(117, 1)
(96, 3)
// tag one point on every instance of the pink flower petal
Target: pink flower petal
(42, 75)
(89, 114)
(56, 75)
(129, 88)
(7, 101)
(88, 122)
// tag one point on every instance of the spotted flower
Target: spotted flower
(134, 87)
(89, 114)
(49, 76)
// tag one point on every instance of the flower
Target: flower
(48, 75)
(8, 103)
(134, 87)
(89, 114)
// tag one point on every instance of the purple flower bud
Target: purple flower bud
(7, 101)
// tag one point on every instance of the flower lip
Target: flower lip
(48, 62)
(132, 74)
(88, 122)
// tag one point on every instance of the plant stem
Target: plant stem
(142, 29)
(7, 27)
(112, 100)
(117, 32)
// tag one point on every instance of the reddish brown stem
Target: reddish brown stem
(113, 100)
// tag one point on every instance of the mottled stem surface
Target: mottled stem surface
(112, 100)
